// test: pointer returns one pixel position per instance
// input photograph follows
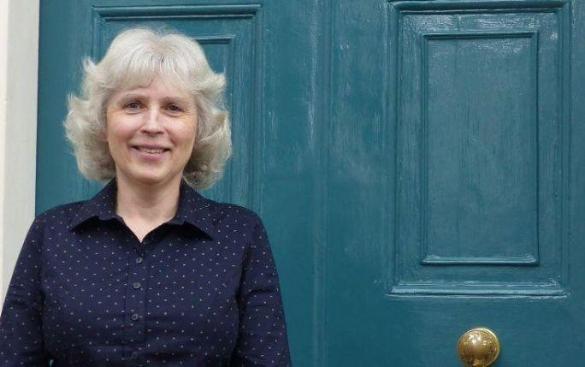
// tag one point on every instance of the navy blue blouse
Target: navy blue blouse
(200, 290)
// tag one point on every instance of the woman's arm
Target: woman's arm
(262, 339)
(21, 339)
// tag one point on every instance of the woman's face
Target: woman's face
(150, 132)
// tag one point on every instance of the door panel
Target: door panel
(230, 36)
(417, 163)
(480, 146)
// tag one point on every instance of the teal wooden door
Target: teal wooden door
(418, 164)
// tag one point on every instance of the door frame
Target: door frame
(19, 44)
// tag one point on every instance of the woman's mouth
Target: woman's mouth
(152, 151)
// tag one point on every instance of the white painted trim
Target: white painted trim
(3, 106)
(19, 35)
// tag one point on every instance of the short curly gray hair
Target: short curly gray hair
(135, 57)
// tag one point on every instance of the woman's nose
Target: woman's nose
(153, 123)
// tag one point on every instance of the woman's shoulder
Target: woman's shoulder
(53, 220)
(238, 225)
(222, 211)
(60, 214)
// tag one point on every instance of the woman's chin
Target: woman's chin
(151, 178)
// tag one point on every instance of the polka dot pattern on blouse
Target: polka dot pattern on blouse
(199, 290)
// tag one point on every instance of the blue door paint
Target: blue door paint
(418, 164)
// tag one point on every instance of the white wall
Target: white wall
(19, 34)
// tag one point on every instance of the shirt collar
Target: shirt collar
(101, 206)
(193, 209)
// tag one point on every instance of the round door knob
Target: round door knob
(478, 347)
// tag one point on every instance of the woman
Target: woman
(148, 272)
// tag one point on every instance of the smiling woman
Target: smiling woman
(134, 60)
(150, 132)
(148, 271)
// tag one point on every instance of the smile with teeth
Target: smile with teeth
(150, 150)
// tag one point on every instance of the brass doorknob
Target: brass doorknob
(478, 347)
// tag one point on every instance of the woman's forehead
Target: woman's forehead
(161, 83)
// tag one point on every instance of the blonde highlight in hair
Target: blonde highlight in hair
(134, 59)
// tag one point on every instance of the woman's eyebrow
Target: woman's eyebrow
(179, 99)
(176, 99)
(130, 95)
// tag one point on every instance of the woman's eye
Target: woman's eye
(174, 108)
(133, 106)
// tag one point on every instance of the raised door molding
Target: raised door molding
(482, 148)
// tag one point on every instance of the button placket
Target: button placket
(136, 299)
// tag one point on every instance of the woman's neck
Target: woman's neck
(145, 207)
